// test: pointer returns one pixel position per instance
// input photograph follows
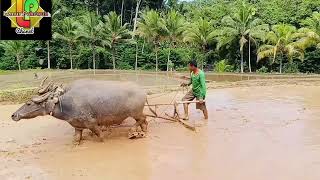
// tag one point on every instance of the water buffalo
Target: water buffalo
(89, 104)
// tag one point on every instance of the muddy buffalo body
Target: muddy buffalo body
(89, 104)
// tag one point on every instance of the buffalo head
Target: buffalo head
(40, 105)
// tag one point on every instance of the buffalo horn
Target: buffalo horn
(40, 99)
(42, 82)
(46, 88)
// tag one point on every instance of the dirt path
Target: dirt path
(257, 133)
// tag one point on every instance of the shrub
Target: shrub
(291, 68)
(263, 69)
(222, 66)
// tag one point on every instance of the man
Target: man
(199, 89)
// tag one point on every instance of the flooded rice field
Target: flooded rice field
(253, 133)
(31, 78)
(28, 79)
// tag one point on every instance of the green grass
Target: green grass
(4, 72)
(16, 96)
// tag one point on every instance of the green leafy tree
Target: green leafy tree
(201, 34)
(56, 9)
(283, 40)
(174, 28)
(242, 26)
(289, 12)
(89, 30)
(312, 30)
(16, 49)
(67, 33)
(115, 33)
(151, 26)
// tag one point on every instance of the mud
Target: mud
(257, 133)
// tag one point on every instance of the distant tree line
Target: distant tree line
(224, 36)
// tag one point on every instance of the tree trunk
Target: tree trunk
(281, 65)
(241, 52)
(249, 55)
(156, 60)
(202, 64)
(70, 56)
(18, 61)
(204, 57)
(131, 15)
(122, 12)
(94, 59)
(142, 50)
(168, 58)
(136, 64)
(113, 58)
(97, 7)
(48, 48)
(136, 16)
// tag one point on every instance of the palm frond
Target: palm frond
(266, 51)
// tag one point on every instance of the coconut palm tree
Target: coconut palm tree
(283, 40)
(312, 30)
(67, 33)
(242, 26)
(200, 33)
(56, 10)
(138, 3)
(174, 28)
(14, 48)
(115, 32)
(151, 26)
(256, 33)
(89, 30)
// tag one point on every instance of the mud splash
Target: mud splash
(258, 133)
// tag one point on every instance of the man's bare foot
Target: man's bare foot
(186, 118)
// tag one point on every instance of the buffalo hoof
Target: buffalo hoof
(135, 135)
(76, 142)
(100, 139)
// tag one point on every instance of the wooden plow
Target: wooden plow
(176, 117)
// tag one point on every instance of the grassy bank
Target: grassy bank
(16, 96)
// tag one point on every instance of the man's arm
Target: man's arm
(188, 83)
(203, 88)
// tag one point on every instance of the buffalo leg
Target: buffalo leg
(133, 132)
(97, 130)
(143, 123)
(77, 136)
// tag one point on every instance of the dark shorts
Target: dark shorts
(190, 97)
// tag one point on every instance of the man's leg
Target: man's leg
(205, 112)
(203, 108)
(186, 111)
(188, 97)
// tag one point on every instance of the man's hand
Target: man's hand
(184, 85)
(201, 101)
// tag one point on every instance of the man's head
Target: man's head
(193, 65)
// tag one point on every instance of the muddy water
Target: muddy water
(27, 78)
(258, 133)
(145, 78)
(233, 77)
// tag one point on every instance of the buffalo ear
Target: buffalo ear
(49, 105)
(55, 100)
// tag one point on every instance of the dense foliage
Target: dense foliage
(224, 36)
